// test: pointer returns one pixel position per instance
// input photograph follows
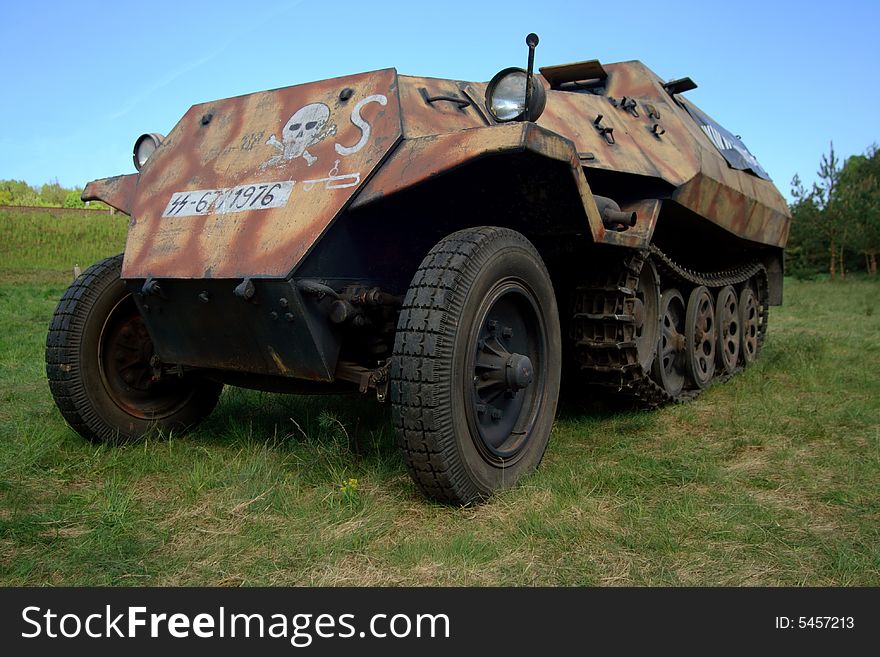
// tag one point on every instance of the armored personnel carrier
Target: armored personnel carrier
(448, 246)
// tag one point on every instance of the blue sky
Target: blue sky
(84, 79)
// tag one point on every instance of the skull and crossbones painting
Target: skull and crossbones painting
(308, 126)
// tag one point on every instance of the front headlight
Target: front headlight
(144, 148)
(506, 96)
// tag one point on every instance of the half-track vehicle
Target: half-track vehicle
(452, 247)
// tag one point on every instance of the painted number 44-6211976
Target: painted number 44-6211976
(243, 198)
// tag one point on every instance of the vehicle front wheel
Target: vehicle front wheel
(98, 362)
(476, 365)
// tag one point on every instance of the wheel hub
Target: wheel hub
(519, 372)
(506, 383)
(132, 350)
(126, 354)
(678, 341)
(499, 371)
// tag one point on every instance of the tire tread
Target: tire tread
(421, 363)
(67, 330)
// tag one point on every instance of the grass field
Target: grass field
(770, 479)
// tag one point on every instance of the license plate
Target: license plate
(243, 198)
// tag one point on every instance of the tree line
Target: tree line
(835, 225)
(49, 195)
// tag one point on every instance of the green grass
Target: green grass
(58, 239)
(770, 479)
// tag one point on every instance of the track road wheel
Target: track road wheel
(749, 324)
(98, 356)
(727, 324)
(701, 334)
(476, 364)
(646, 312)
(669, 368)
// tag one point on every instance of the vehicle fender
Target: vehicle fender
(117, 192)
(419, 160)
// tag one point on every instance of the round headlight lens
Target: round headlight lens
(506, 96)
(144, 147)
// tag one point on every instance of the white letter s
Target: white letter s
(360, 123)
(24, 616)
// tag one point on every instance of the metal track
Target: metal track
(604, 327)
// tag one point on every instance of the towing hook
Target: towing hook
(618, 220)
(314, 288)
(613, 218)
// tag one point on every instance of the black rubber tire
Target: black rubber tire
(77, 375)
(431, 376)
